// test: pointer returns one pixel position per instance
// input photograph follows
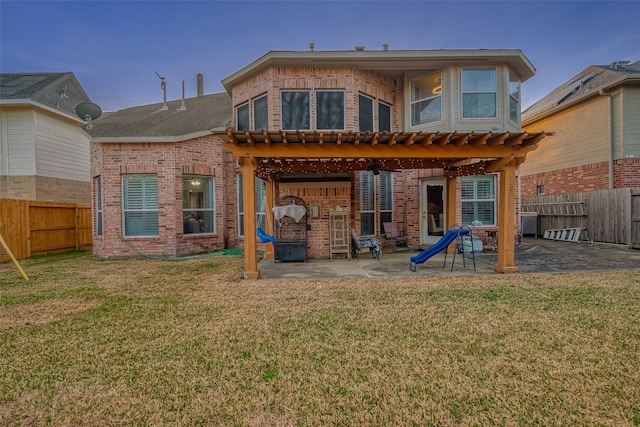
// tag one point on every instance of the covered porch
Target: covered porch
(269, 154)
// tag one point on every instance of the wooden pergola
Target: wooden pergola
(268, 154)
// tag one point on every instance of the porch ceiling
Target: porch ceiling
(459, 153)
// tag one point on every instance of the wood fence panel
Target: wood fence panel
(14, 227)
(608, 215)
(34, 228)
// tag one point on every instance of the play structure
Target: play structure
(457, 233)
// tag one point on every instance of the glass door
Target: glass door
(432, 214)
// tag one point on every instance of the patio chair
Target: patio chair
(358, 243)
(392, 235)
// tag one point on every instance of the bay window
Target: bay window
(426, 99)
(260, 113)
(330, 110)
(242, 116)
(198, 204)
(514, 97)
(294, 110)
(140, 205)
(479, 93)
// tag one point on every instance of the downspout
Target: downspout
(601, 92)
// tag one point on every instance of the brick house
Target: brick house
(597, 147)
(160, 185)
(425, 139)
(44, 152)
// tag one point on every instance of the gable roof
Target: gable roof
(586, 84)
(150, 123)
(59, 92)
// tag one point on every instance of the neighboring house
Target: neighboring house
(160, 182)
(44, 152)
(596, 115)
(425, 139)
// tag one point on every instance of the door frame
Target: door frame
(425, 237)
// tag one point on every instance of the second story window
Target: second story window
(384, 117)
(294, 108)
(329, 109)
(426, 99)
(514, 97)
(242, 119)
(260, 113)
(479, 93)
(365, 113)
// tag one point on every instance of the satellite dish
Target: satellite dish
(88, 111)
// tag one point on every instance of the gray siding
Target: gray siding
(631, 122)
(18, 151)
(62, 149)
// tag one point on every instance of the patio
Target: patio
(532, 256)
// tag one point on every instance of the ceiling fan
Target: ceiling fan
(376, 167)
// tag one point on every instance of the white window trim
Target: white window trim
(462, 92)
(98, 206)
(372, 182)
(519, 100)
(443, 89)
(212, 209)
(495, 191)
(124, 211)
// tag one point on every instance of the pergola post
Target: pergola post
(250, 233)
(506, 220)
(450, 219)
(268, 216)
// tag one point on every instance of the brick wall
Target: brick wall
(42, 188)
(570, 180)
(352, 81)
(584, 178)
(626, 172)
(200, 156)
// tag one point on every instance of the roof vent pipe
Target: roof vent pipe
(312, 46)
(385, 46)
(163, 86)
(200, 80)
(184, 105)
(359, 48)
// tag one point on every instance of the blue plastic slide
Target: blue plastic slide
(438, 247)
(264, 237)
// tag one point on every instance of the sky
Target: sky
(115, 48)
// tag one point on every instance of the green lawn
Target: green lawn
(139, 342)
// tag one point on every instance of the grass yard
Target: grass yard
(90, 342)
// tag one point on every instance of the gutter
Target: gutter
(30, 103)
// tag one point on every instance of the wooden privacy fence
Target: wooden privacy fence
(611, 216)
(34, 228)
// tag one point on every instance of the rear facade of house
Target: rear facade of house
(171, 190)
